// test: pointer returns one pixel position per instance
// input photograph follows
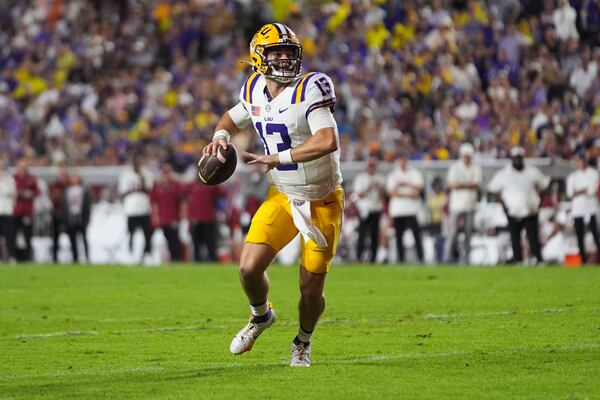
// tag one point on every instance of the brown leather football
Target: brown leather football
(216, 169)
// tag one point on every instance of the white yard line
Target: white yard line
(368, 359)
(208, 326)
(160, 329)
(508, 312)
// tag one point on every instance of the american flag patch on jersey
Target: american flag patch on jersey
(255, 111)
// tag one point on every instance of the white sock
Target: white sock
(303, 335)
(260, 309)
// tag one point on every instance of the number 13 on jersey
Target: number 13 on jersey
(285, 141)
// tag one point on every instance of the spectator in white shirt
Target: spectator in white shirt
(518, 188)
(582, 186)
(583, 76)
(135, 185)
(8, 196)
(404, 187)
(564, 18)
(368, 190)
(464, 179)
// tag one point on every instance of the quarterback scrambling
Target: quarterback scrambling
(292, 114)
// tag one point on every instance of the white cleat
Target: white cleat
(300, 355)
(244, 340)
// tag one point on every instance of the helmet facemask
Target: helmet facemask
(283, 62)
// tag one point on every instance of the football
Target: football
(216, 169)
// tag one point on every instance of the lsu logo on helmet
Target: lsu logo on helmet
(272, 36)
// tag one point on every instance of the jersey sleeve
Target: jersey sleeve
(240, 115)
(315, 90)
(321, 118)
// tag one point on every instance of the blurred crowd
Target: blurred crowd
(92, 82)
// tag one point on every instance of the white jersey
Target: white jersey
(282, 123)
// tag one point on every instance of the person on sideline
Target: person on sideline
(167, 211)
(77, 206)
(292, 114)
(57, 194)
(368, 191)
(518, 187)
(202, 206)
(404, 187)
(464, 179)
(437, 202)
(8, 197)
(135, 184)
(582, 187)
(27, 191)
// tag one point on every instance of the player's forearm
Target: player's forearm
(227, 124)
(317, 146)
(225, 129)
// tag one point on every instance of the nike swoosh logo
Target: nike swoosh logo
(280, 110)
(329, 202)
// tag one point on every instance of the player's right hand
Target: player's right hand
(211, 148)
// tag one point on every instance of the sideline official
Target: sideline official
(368, 190)
(464, 179)
(518, 187)
(404, 187)
(582, 186)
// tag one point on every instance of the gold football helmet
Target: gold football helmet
(276, 36)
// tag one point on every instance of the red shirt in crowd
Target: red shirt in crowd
(202, 201)
(27, 190)
(166, 197)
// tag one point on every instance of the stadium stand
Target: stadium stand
(87, 82)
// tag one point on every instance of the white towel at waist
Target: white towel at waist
(302, 220)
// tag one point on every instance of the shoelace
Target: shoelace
(300, 351)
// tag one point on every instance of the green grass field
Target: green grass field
(387, 333)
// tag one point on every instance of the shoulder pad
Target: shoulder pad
(248, 87)
(313, 87)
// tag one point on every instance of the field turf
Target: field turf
(388, 333)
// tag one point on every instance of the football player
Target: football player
(292, 114)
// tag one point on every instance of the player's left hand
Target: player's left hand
(270, 160)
